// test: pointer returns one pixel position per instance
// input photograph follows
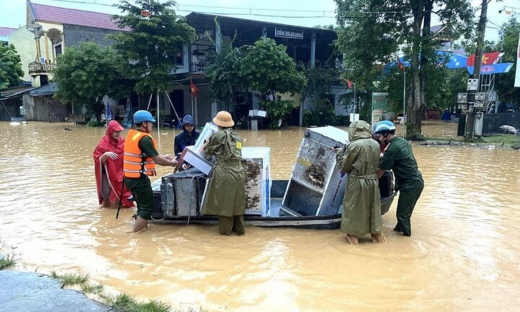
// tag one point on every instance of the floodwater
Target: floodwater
(462, 256)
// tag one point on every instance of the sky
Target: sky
(292, 12)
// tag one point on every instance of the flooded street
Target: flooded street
(462, 256)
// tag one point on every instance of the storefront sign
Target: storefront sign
(379, 106)
(286, 33)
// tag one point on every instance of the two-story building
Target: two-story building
(312, 46)
(50, 30)
(47, 33)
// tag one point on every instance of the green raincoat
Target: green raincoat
(362, 201)
(226, 195)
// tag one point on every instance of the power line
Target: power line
(261, 15)
(249, 10)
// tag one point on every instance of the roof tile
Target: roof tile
(4, 31)
(73, 17)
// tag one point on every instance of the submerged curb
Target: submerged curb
(36, 292)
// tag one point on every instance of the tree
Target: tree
(318, 87)
(223, 71)
(374, 31)
(85, 74)
(153, 43)
(508, 44)
(10, 67)
(270, 70)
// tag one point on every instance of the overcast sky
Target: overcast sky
(293, 12)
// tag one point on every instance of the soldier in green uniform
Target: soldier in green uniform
(398, 156)
(226, 196)
(361, 202)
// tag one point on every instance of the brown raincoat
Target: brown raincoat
(227, 192)
(361, 202)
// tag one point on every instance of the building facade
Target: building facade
(50, 30)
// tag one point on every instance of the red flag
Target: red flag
(193, 89)
(487, 58)
(400, 65)
(146, 13)
(349, 83)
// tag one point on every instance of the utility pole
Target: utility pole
(481, 29)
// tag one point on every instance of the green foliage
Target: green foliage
(321, 115)
(374, 31)
(7, 262)
(10, 67)
(70, 278)
(270, 70)
(279, 110)
(152, 44)
(508, 44)
(267, 68)
(319, 81)
(126, 303)
(86, 73)
(223, 71)
(91, 289)
(318, 87)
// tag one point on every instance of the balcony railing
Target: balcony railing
(38, 68)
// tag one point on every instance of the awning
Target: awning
(15, 92)
(48, 89)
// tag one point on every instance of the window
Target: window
(179, 55)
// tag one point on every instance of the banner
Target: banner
(379, 106)
(517, 73)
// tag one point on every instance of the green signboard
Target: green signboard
(379, 106)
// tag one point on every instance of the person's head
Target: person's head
(144, 120)
(188, 123)
(385, 129)
(114, 130)
(359, 129)
(223, 119)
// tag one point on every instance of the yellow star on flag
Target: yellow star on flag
(484, 59)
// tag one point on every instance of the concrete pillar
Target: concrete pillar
(62, 43)
(218, 37)
(264, 33)
(313, 50)
(46, 47)
(38, 51)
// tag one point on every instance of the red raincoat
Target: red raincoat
(113, 167)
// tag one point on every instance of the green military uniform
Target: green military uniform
(141, 188)
(226, 196)
(399, 157)
(361, 202)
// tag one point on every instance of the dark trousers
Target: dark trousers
(226, 225)
(407, 200)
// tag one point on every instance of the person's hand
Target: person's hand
(111, 155)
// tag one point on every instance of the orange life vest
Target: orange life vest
(135, 161)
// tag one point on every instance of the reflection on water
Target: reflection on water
(461, 255)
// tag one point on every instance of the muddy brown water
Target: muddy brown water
(462, 256)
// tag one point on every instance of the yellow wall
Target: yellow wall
(23, 40)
